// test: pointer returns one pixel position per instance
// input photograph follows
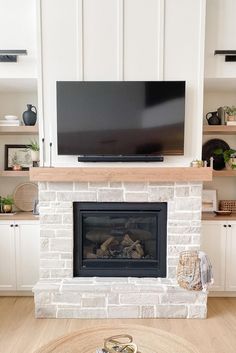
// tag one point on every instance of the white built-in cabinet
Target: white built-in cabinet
(121, 40)
(220, 35)
(19, 255)
(18, 31)
(219, 242)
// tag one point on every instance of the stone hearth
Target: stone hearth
(58, 294)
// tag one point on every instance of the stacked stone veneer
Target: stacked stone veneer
(58, 294)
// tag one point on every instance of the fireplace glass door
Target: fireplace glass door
(119, 239)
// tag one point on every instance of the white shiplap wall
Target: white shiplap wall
(122, 40)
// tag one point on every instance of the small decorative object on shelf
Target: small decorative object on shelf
(29, 116)
(10, 120)
(229, 157)
(7, 204)
(230, 115)
(33, 147)
(213, 118)
(196, 163)
(16, 155)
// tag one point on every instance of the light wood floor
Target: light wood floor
(20, 332)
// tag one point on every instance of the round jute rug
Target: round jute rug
(148, 340)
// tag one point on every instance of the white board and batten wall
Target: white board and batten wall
(122, 40)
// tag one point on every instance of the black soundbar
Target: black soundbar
(114, 158)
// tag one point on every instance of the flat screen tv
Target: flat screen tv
(115, 120)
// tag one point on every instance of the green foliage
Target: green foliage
(227, 155)
(8, 200)
(230, 110)
(33, 146)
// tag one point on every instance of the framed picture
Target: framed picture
(17, 154)
(209, 200)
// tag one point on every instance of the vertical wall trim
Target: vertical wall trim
(40, 83)
(120, 40)
(161, 39)
(80, 39)
(200, 76)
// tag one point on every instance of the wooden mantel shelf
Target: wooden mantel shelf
(152, 174)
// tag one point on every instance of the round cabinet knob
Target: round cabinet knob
(229, 225)
(11, 225)
(16, 225)
(225, 225)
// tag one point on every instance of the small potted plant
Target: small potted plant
(7, 204)
(231, 113)
(229, 157)
(33, 147)
(15, 163)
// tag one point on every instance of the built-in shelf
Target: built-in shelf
(224, 173)
(210, 216)
(18, 130)
(219, 130)
(18, 216)
(11, 173)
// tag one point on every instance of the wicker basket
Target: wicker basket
(227, 205)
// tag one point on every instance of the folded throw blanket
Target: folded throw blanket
(194, 270)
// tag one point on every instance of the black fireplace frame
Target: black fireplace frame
(130, 267)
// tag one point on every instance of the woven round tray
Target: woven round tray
(25, 195)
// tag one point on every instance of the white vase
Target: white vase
(35, 156)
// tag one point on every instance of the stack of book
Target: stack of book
(10, 121)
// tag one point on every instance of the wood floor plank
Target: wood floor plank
(20, 332)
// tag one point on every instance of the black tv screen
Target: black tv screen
(120, 118)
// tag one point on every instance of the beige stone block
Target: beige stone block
(86, 288)
(139, 298)
(174, 250)
(42, 186)
(81, 186)
(67, 298)
(162, 194)
(123, 312)
(136, 197)
(61, 244)
(44, 244)
(52, 264)
(60, 186)
(42, 298)
(132, 186)
(196, 190)
(171, 311)
(50, 219)
(182, 191)
(49, 233)
(47, 196)
(147, 312)
(97, 185)
(179, 239)
(61, 273)
(91, 313)
(111, 195)
(64, 233)
(183, 216)
(113, 298)
(197, 312)
(94, 301)
(188, 204)
(116, 184)
(46, 311)
(67, 219)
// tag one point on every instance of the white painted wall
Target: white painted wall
(122, 39)
(18, 31)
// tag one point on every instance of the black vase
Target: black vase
(29, 116)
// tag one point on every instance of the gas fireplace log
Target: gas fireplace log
(127, 241)
(106, 243)
(128, 250)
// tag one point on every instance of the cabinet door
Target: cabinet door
(27, 254)
(231, 258)
(220, 35)
(7, 257)
(213, 242)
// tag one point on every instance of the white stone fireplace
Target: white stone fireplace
(59, 295)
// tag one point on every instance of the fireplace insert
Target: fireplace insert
(119, 239)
